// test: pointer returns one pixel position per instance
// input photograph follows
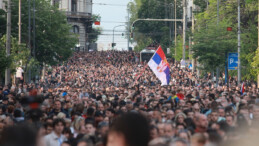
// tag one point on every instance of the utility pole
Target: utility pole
(34, 29)
(19, 22)
(175, 30)
(193, 61)
(8, 41)
(128, 35)
(190, 45)
(217, 78)
(238, 43)
(29, 36)
(184, 27)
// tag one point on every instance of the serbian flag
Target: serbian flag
(242, 89)
(159, 65)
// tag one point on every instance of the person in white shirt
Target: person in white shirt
(56, 138)
(19, 76)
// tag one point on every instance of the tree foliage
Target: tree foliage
(53, 40)
(157, 31)
(211, 42)
(5, 61)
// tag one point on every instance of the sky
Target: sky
(113, 13)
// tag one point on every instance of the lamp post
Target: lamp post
(78, 47)
(238, 43)
(113, 32)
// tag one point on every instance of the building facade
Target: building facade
(79, 15)
(2, 4)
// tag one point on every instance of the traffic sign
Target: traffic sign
(190, 66)
(232, 61)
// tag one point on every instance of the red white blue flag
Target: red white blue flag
(159, 65)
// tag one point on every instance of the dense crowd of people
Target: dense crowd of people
(110, 98)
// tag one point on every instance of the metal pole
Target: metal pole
(239, 43)
(226, 68)
(29, 36)
(114, 30)
(184, 27)
(19, 22)
(175, 30)
(193, 61)
(128, 37)
(258, 44)
(8, 41)
(113, 35)
(190, 45)
(217, 78)
(34, 29)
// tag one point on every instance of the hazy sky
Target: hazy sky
(113, 13)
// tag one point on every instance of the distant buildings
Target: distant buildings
(2, 4)
(79, 15)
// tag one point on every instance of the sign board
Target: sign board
(168, 50)
(190, 66)
(232, 61)
(182, 63)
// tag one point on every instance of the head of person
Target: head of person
(110, 113)
(230, 120)
(170, 115)
(214, 116)
(90, 129)
(179, 142)
(184, 134)
(103, 128)
(198, 139)
(201, 122)
(21, 134)
(58, 126)
(169, 130)
(221, 112)
(153, 132)
(57, 105)
(48, 128)
(129, 129)
(85, 142)
(161, 129)
(179, 118)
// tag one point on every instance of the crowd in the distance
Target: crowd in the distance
(111, 98)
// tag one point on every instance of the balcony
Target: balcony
(79, 15)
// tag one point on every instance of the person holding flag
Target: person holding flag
(159, 65)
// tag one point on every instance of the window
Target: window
(56, 3)
(75, 29)
(74, 5)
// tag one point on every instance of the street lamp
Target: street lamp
(113, 34)
(78, 47)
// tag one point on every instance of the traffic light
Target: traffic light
(113, 44)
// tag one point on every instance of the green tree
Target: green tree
(53, 38)
(212, 41)
(5, 61)
(2, 22)
(93, 35)
(157, 31)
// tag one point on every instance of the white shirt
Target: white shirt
(19, 72)
(53, 140)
